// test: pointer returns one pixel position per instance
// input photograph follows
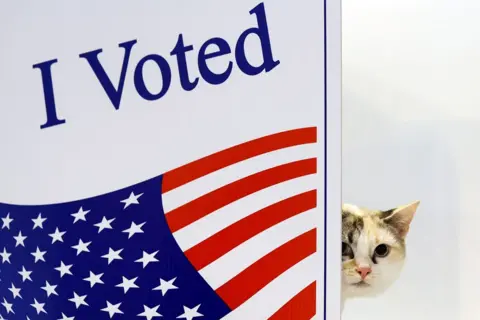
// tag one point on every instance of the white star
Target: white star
(5, 255)
(189, 314)
(127, 284)
(38, 306)
(104, 224)
(112, 309)
(8, 306)
(94, 279)
(134, 228)
(15, 291)
(149, 313)
(39, 255)
(82, 247)
(80, 215)
(20, 239)
(49, 289)
(57, 235)
(132, 199)
(64, 269)
(25, 274)
(38, 222)
(64, 317)
(147, 258)
(6, 221)
(166, 285)
(78, 300)
(113, 255)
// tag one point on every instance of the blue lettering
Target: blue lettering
(262, 32)
(46, 71)
(207, 74)
(212, 48)
(180, 51)
(166, 75)
(115, 94)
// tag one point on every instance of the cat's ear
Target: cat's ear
(348, 209)
(401, 217)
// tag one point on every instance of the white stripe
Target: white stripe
(207, 226)
(231, 264)
(278, 292)
(195, 189)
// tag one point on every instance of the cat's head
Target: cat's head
(373, 248)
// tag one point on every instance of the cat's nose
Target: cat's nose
(363, 271)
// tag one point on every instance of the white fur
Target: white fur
(387, 270)
(384, 273)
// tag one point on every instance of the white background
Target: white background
(411, 130)
(100, 149)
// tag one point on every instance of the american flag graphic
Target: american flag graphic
(229, 236)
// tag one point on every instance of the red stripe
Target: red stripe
(251, 280)
(222, 242)
(194, 170)
(300, 307)
(200, 207)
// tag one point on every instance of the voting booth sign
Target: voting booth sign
(170, 160)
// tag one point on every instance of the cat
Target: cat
(373, 248)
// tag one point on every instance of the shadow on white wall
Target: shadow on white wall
(388, 163)
(411, 130)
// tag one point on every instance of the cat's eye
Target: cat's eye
(347, 250)
(382, 250)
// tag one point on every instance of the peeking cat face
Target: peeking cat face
(373, 248)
